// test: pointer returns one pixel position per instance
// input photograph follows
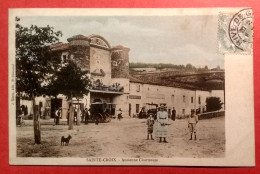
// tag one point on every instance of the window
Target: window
(172, 99)
(191, 100)
(137, 108)
(183, 111)
(130, 109)
(138, 88)
(199, 100)
(183, 98)
(64, 58)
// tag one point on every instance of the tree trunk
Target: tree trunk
(71, 116)
(36, 123)
(78, 116)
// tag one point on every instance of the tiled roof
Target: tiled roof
(78, 37)
(134, 80)
(120, 47)
(59, 46)
(191, 82)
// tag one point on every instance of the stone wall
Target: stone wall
(120, 63)
(79, 51)
(100, 59)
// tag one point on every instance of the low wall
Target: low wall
(211, 115)
(205, 115)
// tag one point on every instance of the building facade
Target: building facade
(108, 69)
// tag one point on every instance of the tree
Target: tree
(189, 66)
(70, 81)
(33, 63)
(213, 104)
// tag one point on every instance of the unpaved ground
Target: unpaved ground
(125, 138)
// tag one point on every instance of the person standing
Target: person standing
(162, 118)
(192, 124)
(86, 115)
(150, 123)
(173, 114)
(58, 114)
(75, 115)
(120, 114)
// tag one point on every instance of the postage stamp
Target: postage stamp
(136, 87)
(236, 32)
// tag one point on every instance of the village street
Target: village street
(125, 138)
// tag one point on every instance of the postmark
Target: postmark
(241, 29)
(235, 32)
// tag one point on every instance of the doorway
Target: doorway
(55, 104)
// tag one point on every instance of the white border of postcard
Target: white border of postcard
(239, 119)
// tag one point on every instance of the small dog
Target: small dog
(65, 141)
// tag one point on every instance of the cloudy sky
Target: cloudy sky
(153, 39)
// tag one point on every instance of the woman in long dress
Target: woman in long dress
(162, 118)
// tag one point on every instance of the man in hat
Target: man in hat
(192, 122)
(162, 118)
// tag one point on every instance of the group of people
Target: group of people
(163, 122)
(85, 115)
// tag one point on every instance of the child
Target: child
(120, 114)
(150, 123)
(192, 122)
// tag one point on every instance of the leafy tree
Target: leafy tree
(33, 63)
(213, 104)
(70, 81)
(189, 66)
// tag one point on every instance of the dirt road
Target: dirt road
(125, 138)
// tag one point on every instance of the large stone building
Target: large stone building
(108, 69)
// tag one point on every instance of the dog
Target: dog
(65, 141)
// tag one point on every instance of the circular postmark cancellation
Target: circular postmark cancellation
(241, 29)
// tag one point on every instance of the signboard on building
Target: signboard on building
(134, 97)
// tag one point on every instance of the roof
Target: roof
(120, 47)
(195, 81)
(135, 80)
(78, 37)
(59, 46)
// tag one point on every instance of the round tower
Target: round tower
(120, 75)
(120, 62)
(79, 51)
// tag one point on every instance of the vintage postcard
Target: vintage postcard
(131, 87)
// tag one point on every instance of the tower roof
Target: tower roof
(120, 47)
(78, 37)
(59, 46)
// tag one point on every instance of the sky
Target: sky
(152, 39)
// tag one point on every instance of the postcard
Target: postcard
(131, 87)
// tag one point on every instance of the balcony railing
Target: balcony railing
(109, 88)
